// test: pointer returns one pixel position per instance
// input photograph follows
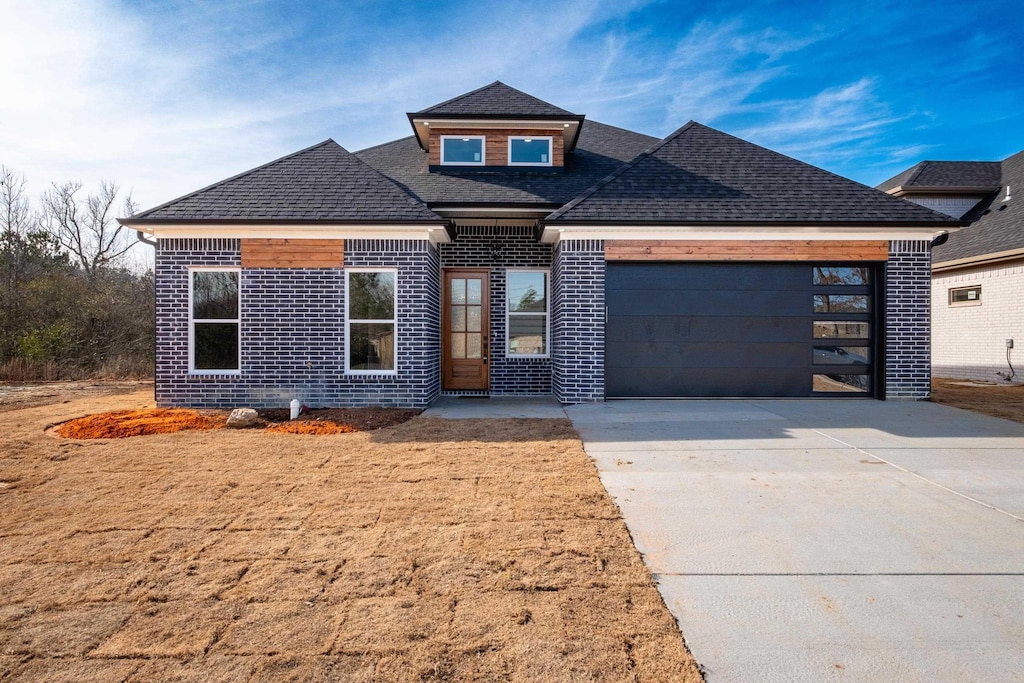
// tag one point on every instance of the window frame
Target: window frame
(192, 370)
(483, 150)
(547, 313)
(551, 150)
(968, 302)
(349, 320)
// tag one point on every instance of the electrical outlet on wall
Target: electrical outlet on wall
(1009, 343)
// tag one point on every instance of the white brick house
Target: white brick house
(977, 297)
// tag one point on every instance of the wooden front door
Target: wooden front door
(465, 331)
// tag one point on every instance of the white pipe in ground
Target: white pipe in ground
(296, 406)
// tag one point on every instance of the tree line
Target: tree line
(72, 302)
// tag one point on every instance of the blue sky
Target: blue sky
(164, 97)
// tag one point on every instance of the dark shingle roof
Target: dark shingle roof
(496, 99)
(946, 174)
(997, 226)
(701, 175)
(600, 150)
(324, 183)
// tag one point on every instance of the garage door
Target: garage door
(739, 330)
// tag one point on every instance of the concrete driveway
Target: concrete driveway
(825, 540)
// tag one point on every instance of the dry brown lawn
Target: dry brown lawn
(435, 550)
(1002, 400)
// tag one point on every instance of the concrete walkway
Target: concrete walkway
(825, 540)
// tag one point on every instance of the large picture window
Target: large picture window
(214, 320)
(527, 309)
(457, 150)
(523, 151)
(370, 326)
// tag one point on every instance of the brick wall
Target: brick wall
(293, 335)
(907, 344)
(577, 351)
(498, 248)
(969, 341)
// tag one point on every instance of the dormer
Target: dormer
(496, 127)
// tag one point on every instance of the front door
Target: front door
(465, 329)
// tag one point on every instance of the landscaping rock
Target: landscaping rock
(242, 417)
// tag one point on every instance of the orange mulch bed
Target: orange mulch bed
(123, 423)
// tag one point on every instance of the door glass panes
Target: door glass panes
(458, 345)
(841, 355)
(848, 384)
(840, 329)
(459, 318)
(842, 275)
(473, 318)
(458, 291)
(841, 303)
(473, 292)
(474, 346)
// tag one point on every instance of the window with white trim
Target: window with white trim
(214, 312)
(965, 296)
(371, 302)
(529, 151)
(463, 150)
(527, 313)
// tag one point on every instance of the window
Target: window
(524, 151)
(214, 320)
(370, 296)
(842, 275)
(457, 150)
(527, 313)
(965, 296)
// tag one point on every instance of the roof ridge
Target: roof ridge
(464, 95)
(589, 192)
(237, 176)
(382, 144)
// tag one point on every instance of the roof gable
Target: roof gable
(496, 99)
(699, 175)
(322, 183)
(997, 225)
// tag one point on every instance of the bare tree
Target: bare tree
(87, 228)
(15, 213)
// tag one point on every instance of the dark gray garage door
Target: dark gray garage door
(732, 330)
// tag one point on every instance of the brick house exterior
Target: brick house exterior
(977, 276)
(512, 248)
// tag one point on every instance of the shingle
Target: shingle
(324, 183)
(496, 99)
(939, 174)
(996, 226)
(600, 150)
(701, 175)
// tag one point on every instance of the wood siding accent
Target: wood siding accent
(496, 143)
(293, 253)
(753, 250)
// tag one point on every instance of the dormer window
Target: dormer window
(529, 151)
(458, 150)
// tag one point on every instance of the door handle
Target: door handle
(484, 342)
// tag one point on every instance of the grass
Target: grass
(434, 550)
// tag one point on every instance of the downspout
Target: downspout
(151, 242)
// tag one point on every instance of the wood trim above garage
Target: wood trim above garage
(746, 250)
(293, 253)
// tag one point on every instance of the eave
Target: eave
(903, 191)
(554, 233)
(979, 260)
(434, 232)
(571, 125)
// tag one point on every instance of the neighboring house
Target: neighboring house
(510, 247)
(978, 275)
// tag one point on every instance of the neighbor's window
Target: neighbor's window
(965, 296)
(527, 307)
(214, 320)
(523, 151)
(370, 321)
(462, 151)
